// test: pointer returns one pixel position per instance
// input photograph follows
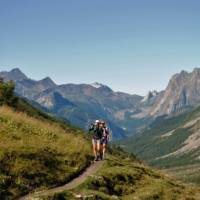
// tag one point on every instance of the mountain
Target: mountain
(182, 91)
(181, 94)
(29, 88)
(89, 103)
(172, 143)
(78, 103)
(15, 75)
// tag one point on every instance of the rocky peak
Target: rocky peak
(18, 74)
(15, 74)
(150, 95)
(179, 79)
(97, 85)
(154, 93)
(196, 72)
(47, 82)
(183, 90)
(102, 88)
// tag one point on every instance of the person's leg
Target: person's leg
(94, 144)
(98, 148)
(104, 150)
(101, 150)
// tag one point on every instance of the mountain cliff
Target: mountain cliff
(182, 91)
(15, 75)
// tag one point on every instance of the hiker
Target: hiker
(104, 139)
(96, 139)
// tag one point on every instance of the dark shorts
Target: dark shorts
(104, 141)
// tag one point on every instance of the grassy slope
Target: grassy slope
(123, 177)
(37, 152)
(150, 145)
(35, 110)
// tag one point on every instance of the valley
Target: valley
(39, 152)
(170, 143)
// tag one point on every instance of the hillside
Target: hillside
(123, 177)
(38, 153)
(171, 143)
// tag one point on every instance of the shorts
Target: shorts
(104, 141)
(96, 141)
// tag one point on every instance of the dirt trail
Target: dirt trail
(72, 184)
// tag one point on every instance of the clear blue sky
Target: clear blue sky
(131, 45)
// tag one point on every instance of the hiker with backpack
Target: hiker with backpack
(99, 139)
(104, 139)
(96, 139)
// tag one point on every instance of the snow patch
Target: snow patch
(168, 134)
(97, 85)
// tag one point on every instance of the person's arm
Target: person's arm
(91, 128)
(108, 134)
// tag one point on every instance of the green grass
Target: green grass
(143, 142)
(187, 173)
(163, 146)
(176, 161)
(123, 177)
(36, 154)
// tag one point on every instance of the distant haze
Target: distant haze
(132, 46)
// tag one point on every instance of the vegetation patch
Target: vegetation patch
(36, 154)
(123, 177)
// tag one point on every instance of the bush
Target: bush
(7, 95)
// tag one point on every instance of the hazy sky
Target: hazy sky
(131, 45)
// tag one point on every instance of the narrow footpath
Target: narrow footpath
(92, 169)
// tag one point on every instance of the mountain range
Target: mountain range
(78, 103)
(126, 114)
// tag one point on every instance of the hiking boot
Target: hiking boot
(101, 156)
(95, 159)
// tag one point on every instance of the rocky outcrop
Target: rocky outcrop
(182, 91)
(15, 75)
